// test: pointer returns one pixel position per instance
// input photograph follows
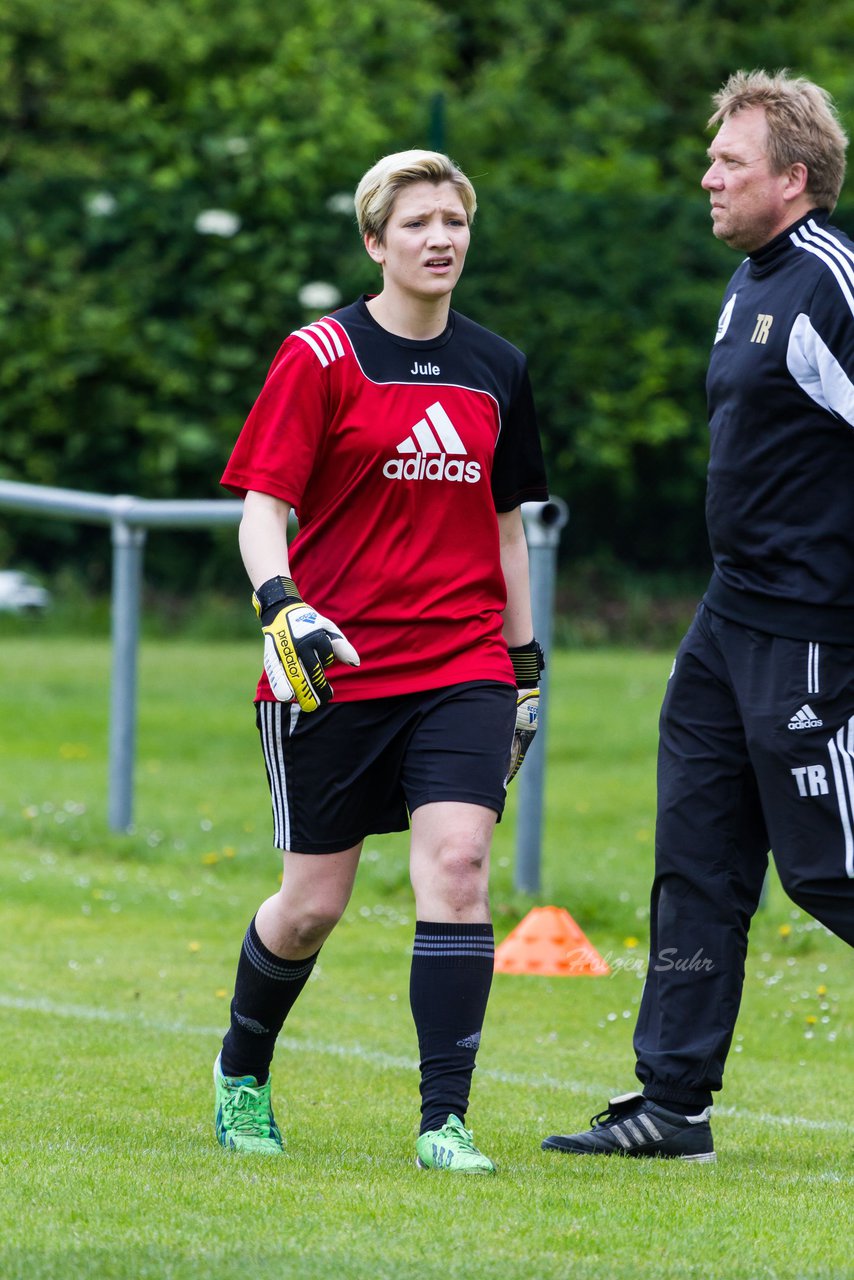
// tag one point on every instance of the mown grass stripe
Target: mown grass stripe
(386, 1061)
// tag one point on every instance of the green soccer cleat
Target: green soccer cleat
(452, 1148)
(244, 1115)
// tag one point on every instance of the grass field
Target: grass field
(117, 957)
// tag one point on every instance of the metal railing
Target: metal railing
(129, 519)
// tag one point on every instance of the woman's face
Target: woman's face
(425, 242)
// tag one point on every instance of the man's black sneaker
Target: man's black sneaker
(635, 1126)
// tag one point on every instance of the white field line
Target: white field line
(386, 1061)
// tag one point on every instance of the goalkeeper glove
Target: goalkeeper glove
(528, 662)
(298, 644)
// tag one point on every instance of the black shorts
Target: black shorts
(353, 769)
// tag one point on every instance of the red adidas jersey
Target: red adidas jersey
(396, 455)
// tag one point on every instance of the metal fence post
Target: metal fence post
(543, 524)
(128, 545)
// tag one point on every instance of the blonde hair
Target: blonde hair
(803, 126)
(380, 186)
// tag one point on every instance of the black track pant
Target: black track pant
(756, 751)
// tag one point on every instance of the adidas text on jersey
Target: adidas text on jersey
(433, 438)
(423, 468)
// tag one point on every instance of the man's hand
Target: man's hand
(528, 662)
(299, 643)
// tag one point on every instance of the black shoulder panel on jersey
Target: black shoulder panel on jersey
(465, 355)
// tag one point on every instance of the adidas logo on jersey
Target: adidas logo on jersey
(806, 718)
(434, 451)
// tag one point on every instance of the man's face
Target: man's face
(748, 204)
(425, 241)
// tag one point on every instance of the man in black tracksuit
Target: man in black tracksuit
(757, 728)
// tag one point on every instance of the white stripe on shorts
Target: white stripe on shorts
(272, 728)
(812, 667)
(841, 748)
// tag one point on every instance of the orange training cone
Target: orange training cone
(549, 942)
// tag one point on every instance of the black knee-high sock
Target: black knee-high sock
(449, 985)
(265, 990)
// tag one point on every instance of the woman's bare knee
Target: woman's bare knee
(315, 890)
(453, 882)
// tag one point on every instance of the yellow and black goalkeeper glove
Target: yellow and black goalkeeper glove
(298, 644)
(528, 663)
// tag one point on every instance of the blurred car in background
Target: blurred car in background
(19, 593)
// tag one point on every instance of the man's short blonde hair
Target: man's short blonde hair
(380, 186)
(803, 126)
